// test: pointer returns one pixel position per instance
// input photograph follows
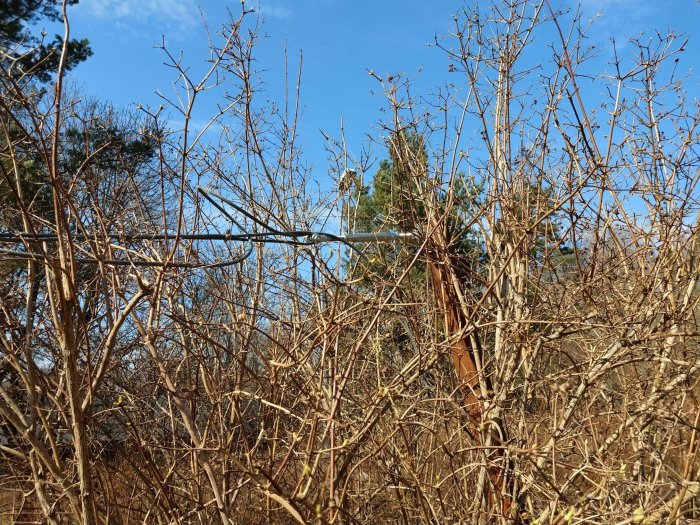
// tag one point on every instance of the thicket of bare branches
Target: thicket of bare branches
(546, 376)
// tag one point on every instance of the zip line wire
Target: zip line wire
(270, 235)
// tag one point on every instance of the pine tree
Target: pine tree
(25, 53)
(392, 203)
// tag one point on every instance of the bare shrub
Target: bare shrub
(530, 357)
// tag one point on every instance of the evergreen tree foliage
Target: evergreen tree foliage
(391, 203)
(31, 60)
(25, 53)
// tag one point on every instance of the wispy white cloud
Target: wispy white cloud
(619, 20)
(161, 15)
(618, 11)
(272, 10)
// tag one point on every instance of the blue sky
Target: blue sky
(340, 40)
